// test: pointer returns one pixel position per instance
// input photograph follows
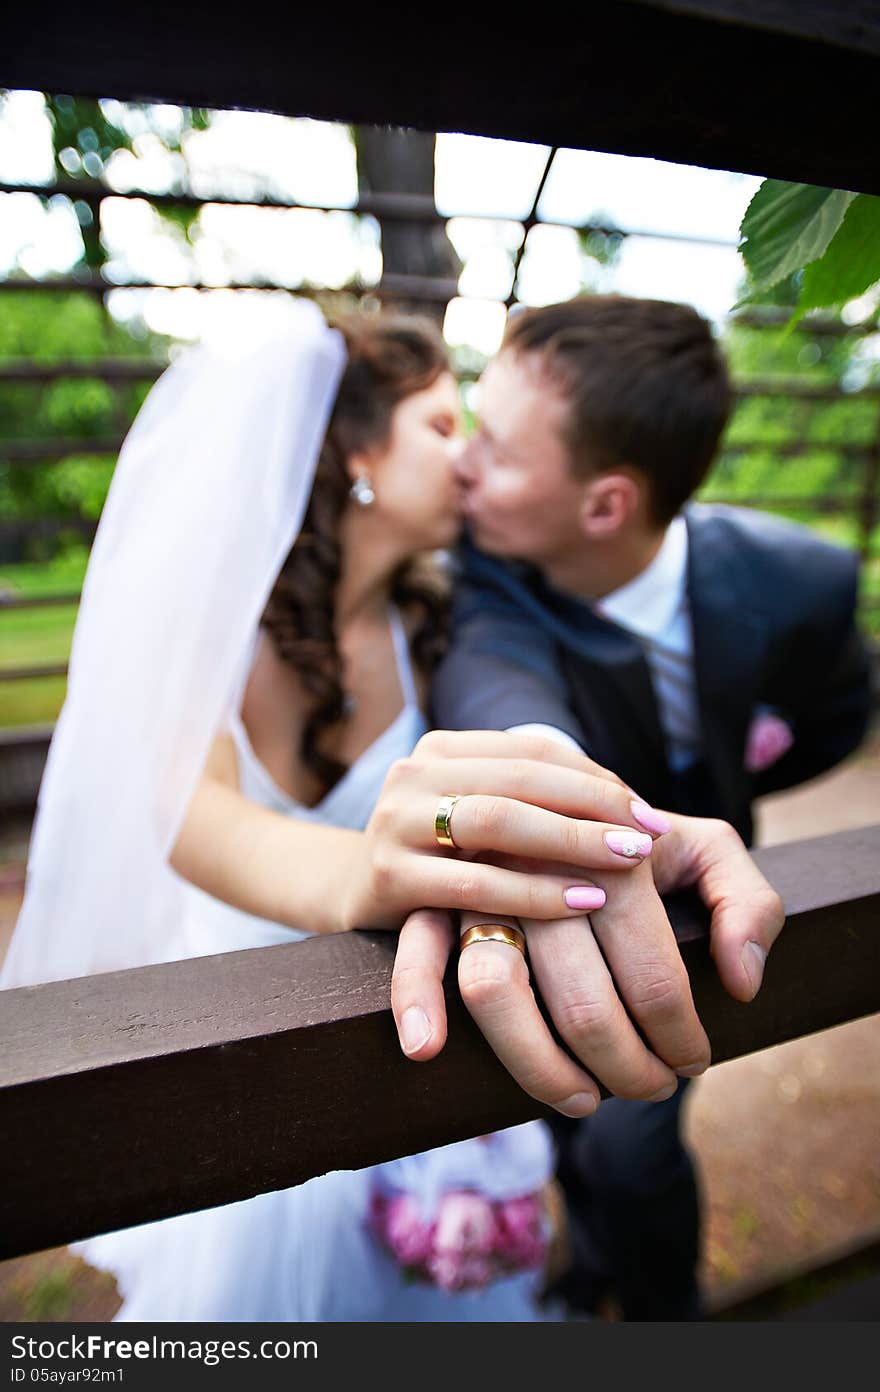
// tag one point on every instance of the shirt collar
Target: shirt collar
(648, 604)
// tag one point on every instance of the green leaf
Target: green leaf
(851, 264)
(786, 226)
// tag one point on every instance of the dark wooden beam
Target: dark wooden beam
(785, 89)
(136, 1095)
(49, 601)
(61, 447)
(18, 527)
(391, 286)
(385, 207)
(54, 669)
(854, 24)
(107, 369)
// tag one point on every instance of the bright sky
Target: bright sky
(246, 153)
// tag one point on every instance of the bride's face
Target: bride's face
(414, 477)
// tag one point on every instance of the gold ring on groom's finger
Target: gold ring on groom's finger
(442, 819)
(493, 932)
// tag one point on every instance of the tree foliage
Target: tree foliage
(86, 134)
(49, 327)
(831, 237)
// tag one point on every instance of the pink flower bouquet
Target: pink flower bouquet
(468, 1241)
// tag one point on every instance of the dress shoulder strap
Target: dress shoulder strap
(404, 661)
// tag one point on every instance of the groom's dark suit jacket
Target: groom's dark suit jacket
(772, 610)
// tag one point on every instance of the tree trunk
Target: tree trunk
(396, 160)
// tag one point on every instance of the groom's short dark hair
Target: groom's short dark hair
(646, 383)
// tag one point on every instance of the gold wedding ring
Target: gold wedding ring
(493, 932)
(442, 817)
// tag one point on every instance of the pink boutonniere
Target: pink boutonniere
(769, 737)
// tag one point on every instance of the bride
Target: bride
(248, 679)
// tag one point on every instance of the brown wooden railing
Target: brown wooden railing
(140, 1094)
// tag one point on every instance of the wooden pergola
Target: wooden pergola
(786, 88)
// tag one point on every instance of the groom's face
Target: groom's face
(520, 498)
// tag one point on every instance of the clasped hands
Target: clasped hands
(536, 821)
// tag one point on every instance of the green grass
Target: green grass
(29, 637)
(37, 637)
(34, 638)
(35, 702)
(63, 575)
(50, 1297)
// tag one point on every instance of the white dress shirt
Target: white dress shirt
(654, 608)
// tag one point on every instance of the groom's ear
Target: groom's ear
(611, 502)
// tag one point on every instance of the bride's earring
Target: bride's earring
(362, 491)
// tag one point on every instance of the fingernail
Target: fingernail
(415, 1029)
(584, 897)
(753, 959)
(693, 1070)
(650, 818)
(628, 844)
(580, 1104)
(669, 1091)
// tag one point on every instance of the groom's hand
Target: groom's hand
(598, 974)
(747, 914)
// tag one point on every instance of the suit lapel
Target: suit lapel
(608, 679)
(612, 691)
(731, 636)
(617, 711)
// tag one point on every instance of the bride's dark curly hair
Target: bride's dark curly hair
(390, 356)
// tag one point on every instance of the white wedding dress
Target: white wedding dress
(306, 1253)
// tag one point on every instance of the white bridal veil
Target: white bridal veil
(206, 500)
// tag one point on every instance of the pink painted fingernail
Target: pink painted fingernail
(584, 897)
(580, 1104)
(415, 1029)
(628, 843)
(650, 818)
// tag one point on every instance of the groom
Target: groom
(706, 654)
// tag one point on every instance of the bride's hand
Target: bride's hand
(520, 796)
(572, 962)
